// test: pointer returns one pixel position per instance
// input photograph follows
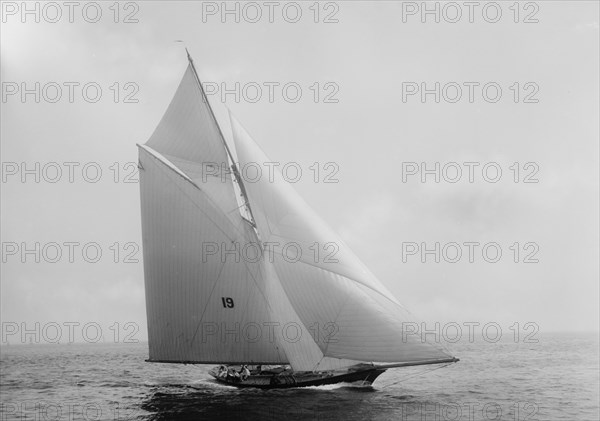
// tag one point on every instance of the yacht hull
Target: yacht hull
(302, 379)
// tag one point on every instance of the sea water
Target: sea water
(556, 378)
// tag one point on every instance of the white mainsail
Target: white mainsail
(207, 303)
(189, 318)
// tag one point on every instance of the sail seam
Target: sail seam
(349, 278)
(207, 303)
(335, 320)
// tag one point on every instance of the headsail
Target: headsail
(298, 341)
(361, 320)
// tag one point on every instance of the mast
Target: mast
(229, 154)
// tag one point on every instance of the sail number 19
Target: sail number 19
(227, 302)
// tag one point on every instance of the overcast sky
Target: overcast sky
(371, 57)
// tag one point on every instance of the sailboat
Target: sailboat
(268, 319)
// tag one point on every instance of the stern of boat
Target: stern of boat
(214, 371)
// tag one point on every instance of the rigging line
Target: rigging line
(238, 208)
(415, 375)
(270, 310)
(335, 320)
(233, 165)
(263, 270)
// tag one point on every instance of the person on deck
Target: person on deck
(233, 375)
(244, 372)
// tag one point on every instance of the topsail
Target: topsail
(203, 306)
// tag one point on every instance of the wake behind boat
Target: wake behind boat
(328, 320)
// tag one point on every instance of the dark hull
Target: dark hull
(364, 377)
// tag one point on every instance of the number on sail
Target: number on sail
(227, 302)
